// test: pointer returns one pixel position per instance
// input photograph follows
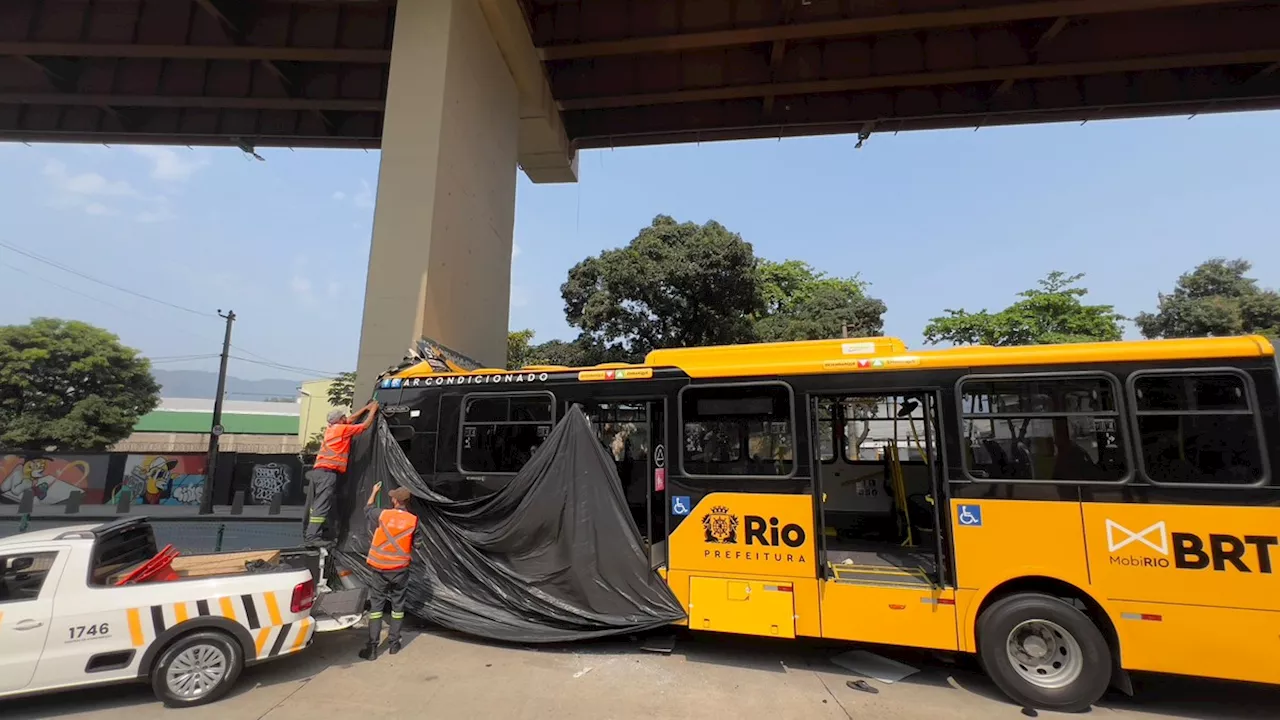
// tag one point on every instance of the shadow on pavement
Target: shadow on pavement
(335, 650)
(1161, 695)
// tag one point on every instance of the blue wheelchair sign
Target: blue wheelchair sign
(969, 515)
(680, 505)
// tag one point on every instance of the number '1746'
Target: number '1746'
(80, 631)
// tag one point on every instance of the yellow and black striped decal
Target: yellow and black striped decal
(259, 613)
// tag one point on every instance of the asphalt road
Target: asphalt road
(442, 675)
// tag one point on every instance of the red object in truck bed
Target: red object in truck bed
(158, 568)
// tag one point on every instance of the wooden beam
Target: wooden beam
(200, 102)
(955, 77)
(1057, 27)
(1012, 11)
(779, 49)
(196, 52)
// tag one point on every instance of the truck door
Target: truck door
(28, 580)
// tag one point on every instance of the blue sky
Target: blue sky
(933, 220)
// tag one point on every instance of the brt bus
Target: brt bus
(1066, 513)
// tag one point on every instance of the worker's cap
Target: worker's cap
(336, 416)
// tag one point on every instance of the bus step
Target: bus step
(877, 575)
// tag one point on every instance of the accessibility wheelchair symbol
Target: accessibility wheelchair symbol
(680, 505)
(969, 515)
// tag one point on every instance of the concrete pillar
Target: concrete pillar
(440, 261)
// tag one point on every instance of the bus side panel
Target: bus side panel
(1192, 589)
(1000, 540)
(808, 621)
(678, 581)
(747, 534)
(1210, 555)
(753, 538)
(1226, 643)
(917, 617)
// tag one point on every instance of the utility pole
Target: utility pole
(211, 464)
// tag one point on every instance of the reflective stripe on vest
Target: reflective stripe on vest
(334, 450)
(392, 546)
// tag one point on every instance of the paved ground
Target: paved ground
(444, 676)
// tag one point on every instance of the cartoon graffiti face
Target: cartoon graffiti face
(33, 470)
(153, 475)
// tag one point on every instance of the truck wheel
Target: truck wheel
(1044, 653)
(196, 669)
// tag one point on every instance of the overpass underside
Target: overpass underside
(461, 93)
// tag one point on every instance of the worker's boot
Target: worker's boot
(370, 651)
(395, 646)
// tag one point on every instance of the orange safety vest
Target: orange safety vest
(335, 448)
(392, 545)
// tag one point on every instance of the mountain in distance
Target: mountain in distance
(204, 384)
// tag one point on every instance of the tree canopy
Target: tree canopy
(518, 348)
(1214, 299)
(801, 303)
(69, 386)
(1052, 313)
(682, 285)
(342, 390)
(674, 285)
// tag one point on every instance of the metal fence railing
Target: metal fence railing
(227, 529)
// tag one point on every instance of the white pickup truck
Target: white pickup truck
(66, 622)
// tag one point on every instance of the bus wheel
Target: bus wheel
(1044, 653)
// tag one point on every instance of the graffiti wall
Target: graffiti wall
(53, 479)
(260, 477)
(164, 479)
(156, 479)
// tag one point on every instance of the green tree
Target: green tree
(518, 343)
(674, 285)
(1214, 299)
(342, 391)
(801, 303)
(521, 351)
(1053, 313)
(69, 386)
(313, 444)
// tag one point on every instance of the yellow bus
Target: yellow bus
(1066, 513)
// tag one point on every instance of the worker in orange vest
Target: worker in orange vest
(390, 553)
(331, 462)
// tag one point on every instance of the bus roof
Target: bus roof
(809, 357)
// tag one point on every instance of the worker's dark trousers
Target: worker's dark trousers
(324, 484)
(387, 587)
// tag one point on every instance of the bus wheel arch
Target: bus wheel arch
(1075, 596)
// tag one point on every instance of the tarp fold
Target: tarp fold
(554, 556)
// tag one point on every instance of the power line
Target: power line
(90, 278)
(262, 359)
(161, 361)
(60, 286)
(290, 368)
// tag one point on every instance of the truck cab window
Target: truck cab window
(22, 575)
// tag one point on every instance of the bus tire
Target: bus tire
(1044, 653)
(197, 668)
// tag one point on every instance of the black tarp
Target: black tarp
(554, 556)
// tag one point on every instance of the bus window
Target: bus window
(826, 423)
(500, 432)
(742, 430)
(1197, 428)
(1042, 428)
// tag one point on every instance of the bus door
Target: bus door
(878, 481)
(633, 433)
